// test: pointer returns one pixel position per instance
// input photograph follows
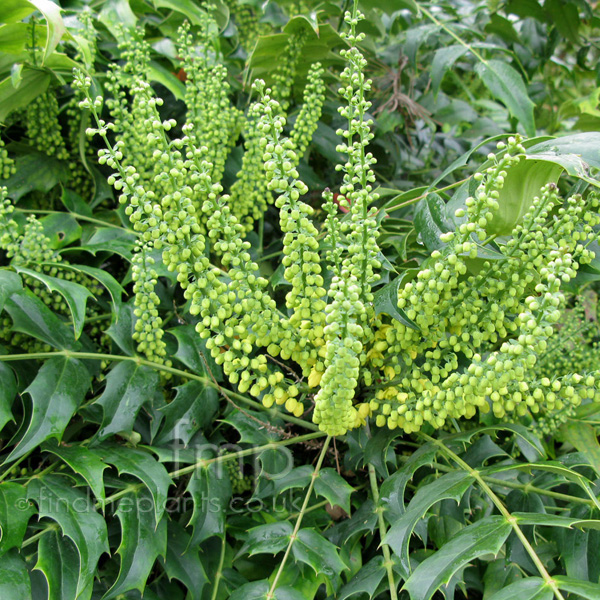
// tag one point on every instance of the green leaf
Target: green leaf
(84, 462)
(54, 22)
(31, 316)
(121, 331)
(191, 11)
(532, 588)
(183, 563)
(117, 13)
(13, 38)
(56, 393)
(192, 409)
(58, 500)
(386, 301)
(522, 183)
(61, 229)
(210, 490)
(15, 512)
(34, 172)
(267, 539)
(258, 590)
(105, 279)
(33, 83)
(14, 10)
(507, 85)
(142, 466)
(366, 581)
(158, 73)
(8, 392)
(110, 239)
(565, 17)
(298, 477)
(334, 488)
(14, 577)
(575, 153)
(75, 295)
(58, 561)
(583, 437)
(585, 589)
(143, 540)
(128, 387)
(483, 537)
(192, 352)
(391, 493)
(313, 549)
(548, 520)
(450, 486)
(10, 283)
(431, 222)
(443, 60)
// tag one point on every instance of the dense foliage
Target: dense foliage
(299, 300)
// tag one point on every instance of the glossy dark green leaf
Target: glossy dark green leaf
(59, 562)
(61, 229)
(450, 486)
(532, 588)
(386, 301)
(334, 488)
(258, 590)
(15, 512)
(8, 392)
(210, 489)
(14, 577)
(192, 409)
(75, 295)
(506, 84)
(34, 172)
(121, 330)
(245, 422)
(565, 17)
(10, 283)
(142, 466)
(483, 537)
(83, 461)
(268, 539)
(443, 60)
(430, 221)
(184, 563)
(366, 581)
(191, 351)
(549, 520)
(143, 540)
(71, 508)
(362, 521)
(391, 493)
(31, 316)
(583, 437)
(56, 393)
(585, 589)
(33, 83)
(299, 477)
(321, 555)
(111, 239)
(128, 387)
(522, 183)
(114, 288)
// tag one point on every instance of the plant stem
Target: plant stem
(219, 572)
(77, 216)
(388, 562)
(159, 367)
(415, 200)
(19, 461)
(512, 521)
(315, 474)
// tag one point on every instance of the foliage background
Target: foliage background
(123, 476)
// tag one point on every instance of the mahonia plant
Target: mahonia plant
(474, 318)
